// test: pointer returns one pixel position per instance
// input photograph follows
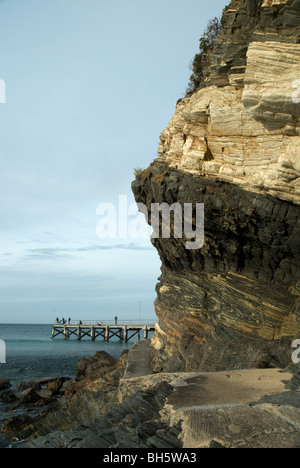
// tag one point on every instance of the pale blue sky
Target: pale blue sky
(90, 86)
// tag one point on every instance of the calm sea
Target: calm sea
(31, 354)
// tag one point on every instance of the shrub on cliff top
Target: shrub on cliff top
(138, 172)
(201, 60)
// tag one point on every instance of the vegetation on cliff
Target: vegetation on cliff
(201, 60)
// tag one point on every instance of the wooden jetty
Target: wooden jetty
(125, 331)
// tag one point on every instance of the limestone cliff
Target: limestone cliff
(234, 145)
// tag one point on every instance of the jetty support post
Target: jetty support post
(66, 332)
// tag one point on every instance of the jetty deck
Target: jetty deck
(124, 331)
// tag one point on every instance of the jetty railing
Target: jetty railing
(93, 329)
(107, 322)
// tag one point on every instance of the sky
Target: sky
(90, 85)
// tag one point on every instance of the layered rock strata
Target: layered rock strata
(234, 145)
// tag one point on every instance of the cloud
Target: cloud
(46, 253)
(130, 246)
(59, 252)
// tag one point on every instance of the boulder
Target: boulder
(8, 397)
(36, 384)
(28, 397)
(94, 366)
(15, 424)
(44, 402)
(4, 384)
(46, 394)
(54, 387)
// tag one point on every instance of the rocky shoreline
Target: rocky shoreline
(38, 400)
(114, 404)
(86, 412)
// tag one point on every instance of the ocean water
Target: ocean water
(32, 354)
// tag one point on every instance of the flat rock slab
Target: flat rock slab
(238, 409)
(139, 358)
(226, 388)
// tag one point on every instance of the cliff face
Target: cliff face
(234, 145)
